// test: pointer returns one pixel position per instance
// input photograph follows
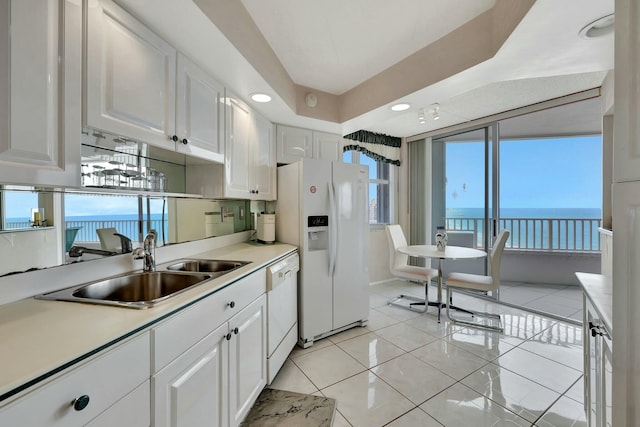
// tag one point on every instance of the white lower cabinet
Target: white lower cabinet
(215, 382)
(247, 359)
(203, 366)
(192, 390)
(84, 395)
(598, 369)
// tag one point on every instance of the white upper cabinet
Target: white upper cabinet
(140, 87)
(237, 149)
(327, 146)
(199, 112)
(294, 144)
(40, 89)
(264, 165)
(130, 77)
(250, 168)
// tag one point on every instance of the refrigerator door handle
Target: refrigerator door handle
(333, 229)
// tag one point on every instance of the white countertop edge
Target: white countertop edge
(42, 337)
(599, 290)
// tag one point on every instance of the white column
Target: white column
(626, 217)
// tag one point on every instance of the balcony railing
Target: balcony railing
(87, 229)
(539, 234)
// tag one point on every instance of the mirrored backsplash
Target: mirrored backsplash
(68, 219)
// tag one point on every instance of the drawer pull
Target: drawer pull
(231, 304)
(79, 403)
(236, 330)
(228, 336)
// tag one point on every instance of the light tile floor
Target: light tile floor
(559, 300)
(405, 369)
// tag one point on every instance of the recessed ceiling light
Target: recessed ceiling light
(400, 107)
(598, 28)
(260, 97)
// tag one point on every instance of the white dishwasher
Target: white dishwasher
(282, 309)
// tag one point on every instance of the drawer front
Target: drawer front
(175, 335)
(105, 380)
(133, 410)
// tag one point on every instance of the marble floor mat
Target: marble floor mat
(288, 409)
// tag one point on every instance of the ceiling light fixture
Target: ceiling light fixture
(436, 111)
(311, 100)
(598, 28)
(260, 97)
(421, 118)
(400, 107)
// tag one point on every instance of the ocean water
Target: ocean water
(592, 213)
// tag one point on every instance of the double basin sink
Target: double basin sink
(146, 289)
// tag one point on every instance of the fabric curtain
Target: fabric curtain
(380, 147)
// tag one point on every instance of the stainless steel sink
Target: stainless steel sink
(217, 267)
(134, 290)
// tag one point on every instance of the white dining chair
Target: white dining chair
(399, 267)
(477, 282)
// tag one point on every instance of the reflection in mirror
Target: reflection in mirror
(23, 210)
(80, 219)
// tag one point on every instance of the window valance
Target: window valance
(380, 147)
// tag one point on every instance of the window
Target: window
(381, 189)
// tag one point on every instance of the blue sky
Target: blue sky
(545, 173)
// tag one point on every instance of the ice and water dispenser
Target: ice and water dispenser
(318, 232)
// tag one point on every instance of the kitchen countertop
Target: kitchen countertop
(599, 291)
(40, 338)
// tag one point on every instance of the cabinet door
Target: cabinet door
(192, 390)
(247, 359)
(237, 148)
(293, 144)
(130, 77)
(40, 62)
(131, 411)
(590, 372)
(198, 112)
(327, 146)
(606, 380)
(264, 168)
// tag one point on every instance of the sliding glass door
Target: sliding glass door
(465, 185)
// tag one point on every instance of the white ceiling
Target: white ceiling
(333, 45)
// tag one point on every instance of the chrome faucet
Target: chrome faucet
(148, 251)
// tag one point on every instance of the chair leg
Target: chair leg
(416, 301)
(498, 328)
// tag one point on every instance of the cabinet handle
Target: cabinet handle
(79, 403)
(231, 304)
(174, 138)
(228, 336)
(185, 141)
(236, 330)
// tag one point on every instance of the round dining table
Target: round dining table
(449, 252)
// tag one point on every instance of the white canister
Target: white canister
(441, 238)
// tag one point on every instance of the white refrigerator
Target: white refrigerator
(323, 208)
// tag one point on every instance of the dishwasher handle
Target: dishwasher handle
(282, 271)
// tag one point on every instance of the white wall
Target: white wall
(545, 267)
(378, 256)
